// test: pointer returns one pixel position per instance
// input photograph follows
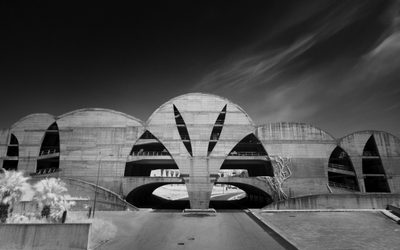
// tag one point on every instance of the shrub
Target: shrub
(50, 195)
(13, 185)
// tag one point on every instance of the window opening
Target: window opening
(341, 172)
(13, 147)
(49, 150)
(374, 174)
(149, 145)
(216, 132)
(248, 167)
(183, 132)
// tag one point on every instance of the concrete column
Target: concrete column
(199, 190)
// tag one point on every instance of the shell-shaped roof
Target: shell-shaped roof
(201, 102)
(292, 131)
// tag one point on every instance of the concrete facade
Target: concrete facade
(199, 135)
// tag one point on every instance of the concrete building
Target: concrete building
(199, 135)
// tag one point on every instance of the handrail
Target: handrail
(342, 185)
(49, 151)
(185, 137)
(214, 137)
(370, 153)
(150, 153)
(46, 171)
(235, 153)
(339, 166)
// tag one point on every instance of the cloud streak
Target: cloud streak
(278, 84)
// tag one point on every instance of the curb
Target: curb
(388, 214)
(190, 210)
(320, 210)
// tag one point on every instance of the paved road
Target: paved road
(146, 230)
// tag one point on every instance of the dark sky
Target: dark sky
(332, 64)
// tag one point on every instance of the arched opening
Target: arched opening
(374, 174)
(49, 155)
(248, 156)
(341, 172)
(11, 161)
(150, 158)
(143, 197)
(240, 195)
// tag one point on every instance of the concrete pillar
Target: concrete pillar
(199, 190)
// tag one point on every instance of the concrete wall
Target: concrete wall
(89, 136)
(389, 152)
(395, 210)
(106, 200)
(336, 201)
(199, 112)
(30, 132)
(44, 236)
(4, 133)
(309, 149)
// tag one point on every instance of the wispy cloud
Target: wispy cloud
(266, 82)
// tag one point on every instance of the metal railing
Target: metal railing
(339, 166)
(214, 137)
(46, 171)
(369, 153)
(150, 153)
(342, 185)
(49, 152)
(247, 154)
(185, 137)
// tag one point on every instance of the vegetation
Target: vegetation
(12, 185)
(50, 195)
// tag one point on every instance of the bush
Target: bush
(50, 194)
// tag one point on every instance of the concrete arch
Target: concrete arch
(388, 144)
(35, 121)
(111, 111)
(199, 111)
(282, 131)
(142, 196)
(254, 188)
(30, 131)
(200, 95)
(341, 171)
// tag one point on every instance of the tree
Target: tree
(13, 185)
(50, 196)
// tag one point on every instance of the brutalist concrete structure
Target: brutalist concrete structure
(199, 135)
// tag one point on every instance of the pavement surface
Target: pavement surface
(335, 230)
(145, 229)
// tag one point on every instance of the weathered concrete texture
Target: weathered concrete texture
(44, 236)
(30, 132)
(4, 141)
(336, 201)
(88, 137)
(199, 113)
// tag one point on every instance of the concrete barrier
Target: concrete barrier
(395, 210)
(45, 236)
(336, 201)
(30, 206)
